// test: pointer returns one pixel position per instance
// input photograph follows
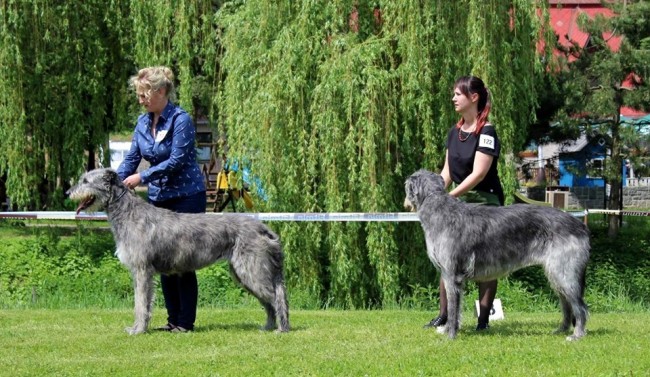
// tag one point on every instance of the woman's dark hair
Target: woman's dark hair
(469, 85)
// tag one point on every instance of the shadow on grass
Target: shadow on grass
(237, 327)
(532, 328)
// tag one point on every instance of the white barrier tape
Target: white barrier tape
(53, 215)
(619, 212)
(579, 214)
(279, 216)
(336, 216)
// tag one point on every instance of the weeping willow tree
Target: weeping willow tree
(594, 87)
(180, 34)
(335, 103)
(56, 67)
(64, 67)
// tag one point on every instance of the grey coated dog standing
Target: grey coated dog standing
(480, 243)
(153, 240)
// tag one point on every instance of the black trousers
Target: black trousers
(181, 292)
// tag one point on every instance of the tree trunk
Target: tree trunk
(3, 192)
(614, 168)
(91, 158)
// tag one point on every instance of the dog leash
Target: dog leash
(120, 196)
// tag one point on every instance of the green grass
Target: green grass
(91, 342)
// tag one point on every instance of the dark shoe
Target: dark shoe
(482, 326)
(167, 327)
(440, 320)
(180, 329)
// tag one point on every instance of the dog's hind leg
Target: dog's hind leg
(579, 311)
(575, 312)
(270, 316)
(454, 287)
(257, 288)
(567, 315)
(580, 314)
(143, 286)
(568, 281)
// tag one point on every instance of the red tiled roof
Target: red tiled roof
(632, 113)
(574, 2)
(564, 16)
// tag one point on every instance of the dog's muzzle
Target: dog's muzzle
(409, 206)
(85, 201)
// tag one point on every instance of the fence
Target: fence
(282, 216)
(638, 182)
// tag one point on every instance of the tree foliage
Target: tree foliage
(64, 67)
(57, 69)
(333, 104)
(594, 90)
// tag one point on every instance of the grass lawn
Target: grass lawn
(91, 342)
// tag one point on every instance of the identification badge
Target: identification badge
(161, 135)
(486, 141)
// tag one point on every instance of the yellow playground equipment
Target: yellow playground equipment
(223, 188)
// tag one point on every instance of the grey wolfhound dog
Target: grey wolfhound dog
(153, 240)
(480, 243)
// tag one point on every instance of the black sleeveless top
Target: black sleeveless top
(461, 150)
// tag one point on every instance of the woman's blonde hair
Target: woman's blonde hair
(151, 79)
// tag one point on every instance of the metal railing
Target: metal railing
(638, 182)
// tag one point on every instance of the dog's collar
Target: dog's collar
(120, 196)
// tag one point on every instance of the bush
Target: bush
(22, 274)
(618, 277)
(619, 269)
(217, 288)
(56, 267)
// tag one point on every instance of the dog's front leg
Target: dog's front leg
(454, 290)
(143, 287)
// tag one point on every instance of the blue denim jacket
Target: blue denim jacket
(174, 171)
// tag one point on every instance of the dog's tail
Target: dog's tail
(276, 259)
(281, 303)
(583, 284)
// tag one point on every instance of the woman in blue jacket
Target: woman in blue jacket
(165, 137)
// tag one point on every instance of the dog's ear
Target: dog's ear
(111, 178)
(410, 188)
(439, 183)
(415, 191)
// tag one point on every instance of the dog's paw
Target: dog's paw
(560, 330)
(134, 330)
(451, 335)
(574, 337)
(269, 326)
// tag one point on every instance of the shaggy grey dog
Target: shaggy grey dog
(153, 240)
(481, 243)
